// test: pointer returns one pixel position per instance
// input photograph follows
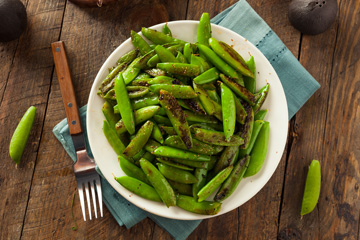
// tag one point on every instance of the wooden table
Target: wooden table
(36, 196)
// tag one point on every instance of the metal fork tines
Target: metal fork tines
(87, 177)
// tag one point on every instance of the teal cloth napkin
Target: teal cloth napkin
(298, 85)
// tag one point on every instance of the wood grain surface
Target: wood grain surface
(36, 195)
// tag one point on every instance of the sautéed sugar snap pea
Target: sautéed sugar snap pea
(198, 134)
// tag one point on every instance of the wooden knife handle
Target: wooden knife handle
(66, 87)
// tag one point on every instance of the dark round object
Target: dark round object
(312, 16)
(12, 19)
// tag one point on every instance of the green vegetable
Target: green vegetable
(228, 111)
(176, 174)
(216, 138)
(139, 141)
(204, 29)
(190, 204)
(312, 188)
(178, 91)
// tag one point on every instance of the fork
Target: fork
(84, 168)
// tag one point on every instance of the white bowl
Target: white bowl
(277, 115)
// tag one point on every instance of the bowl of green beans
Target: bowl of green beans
(187, 120)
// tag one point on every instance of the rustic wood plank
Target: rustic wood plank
(90, 35)
(28, 84)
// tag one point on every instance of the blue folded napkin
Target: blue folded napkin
(298, 85)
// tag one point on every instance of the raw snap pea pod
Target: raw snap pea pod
(190, 204)
(132, 170)
(204, 29)
(176, 116)
(168, 162)
(168, 130)
(230, 56)
(155, 72)
(183, 69)
(181, 58)
(230, 184)
(144, 102)
(255, 132)
(176, 174)
(200, 174)
(139, 141)
(178, 91)
(166, 30)
(258, 153)
(130, 72)
(214, 183)
(205, 100)
(156, 133)
(136, 91)
(198, 146)
(208, 76)
(165, 55)
(216, 138)
(151, 145)
(217, 61)
(260, 115)
(164, 151)
(203, 65)
(262, 97)
(190, 116)
(181, 188)
(113, 138)
(194, 105)
(21, 134)
(240, 111)
(141, 115)
(109, 114)
(228, 111)
(124, 105)
(246, 129)
(139, 188)
(159, 182)
(250, 82)
(140, 43)
(312, 188)
(239, 90)
(195, 164)
(108, 82)
(128, 57)
(159, 37)
(227, 158)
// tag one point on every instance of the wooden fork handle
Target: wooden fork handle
(66, 87)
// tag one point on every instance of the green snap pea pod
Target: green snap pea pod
(144, 102)
(198, 146)
(162, 120)
(176, 116)
(212, 162)
(190, 204)
(109, 114)
(112, 138)
(164, 80)
(193, 117)
(165, 151)
(141, 115)
(208, 76)
(258, 153)
(178, 91)
(180, 188)
(151, 145)
(227, 158)
(193, 104)
(183, 104)
(108, 82)
(156, 133)
(161, 112)
(139, 141)
(176, 174)
(188, 51)
(159, 182)
(159, 37)
(148, 156)
(142, 76)
(239, 90)
(142, 82)
(200, 174)
(166, 30)
(230, 184)
(250, 82)
(139, 43)
(208, 86)
(130, 72)
(155, 72)
(172, 49)
(139, 188)
(181, 58)
(124, 105)
(195, 164)
(128, 57)
(216, 138)
(208, 126)
(132, 170)
(263, 94)
(228, 111)
(165, 55)
(168, 130)
(204, 29)
(167, 161)
(138, 156)
(240, 111)
(136, 91)
(205, 100)
(182, 69)
(214, 183)
(260, 115)
(214, 96)
(217, 61)
(246, 129)
(110, 95)
(230, 56)
(256, 129)
(141, 62)
(21, 134)
(312, 188)
(203, 65)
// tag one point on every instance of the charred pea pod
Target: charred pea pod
(139, 141)
(203, 65)
(181, 58)
(227, 158)
(156, 133)
(136, 91)
(168, 162)
(192, 117)
(144, 102)
(109, 114)
(163, 80)
(181, 188)
(141, 63)
(192, 104)
(155, 72)
(140, 116)
(228, 111)
(140, 43)
(208, 126)
(246, 129)
(250, 82)
(142, 81)
(168, 130)
(240, 111)
(212, 162)
(204, 29)
(208, 76)
(164, 151)
(151, 145)
(159, 37)
(214, 183)
(182, 69)
(256, 129)
(200, 174)
(230, 56)
(162, 120)
(205, 100)
(239, 90)
(217, 61)
(139, 188)
(112, 138)
(190, 204)
(198, 146)
(124, 105)
(230, 184)
(109, 82)
(166, 30)
(173, 49)
(178, 91)
(190, 163)
(216, 138)
(176, 174)
(258, 153)
(176, 116)
(142, 76)
(132, 170)
(159, 182)
(130, 72)
(260, 115)
(262, 97)
(110, 95)
(128, 57)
